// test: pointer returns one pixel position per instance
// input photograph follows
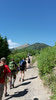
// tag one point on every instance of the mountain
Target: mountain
(21, 47)
(34, 46)
(38, 46)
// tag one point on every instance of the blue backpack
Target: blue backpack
(21, 62)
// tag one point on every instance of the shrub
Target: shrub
(46, 60)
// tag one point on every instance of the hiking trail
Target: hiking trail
(31, 89)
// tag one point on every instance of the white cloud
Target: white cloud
(12, 44)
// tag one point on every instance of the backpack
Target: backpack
(12, 65)
(1, 71)
(21, 62)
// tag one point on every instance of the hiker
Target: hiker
(13, 67)
(28, 54)
(22, 66)
(4, 72)
(28, 61)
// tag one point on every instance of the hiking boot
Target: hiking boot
(13, 85)
(22, 80)
(6, 94)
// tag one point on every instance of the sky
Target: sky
(28, 21)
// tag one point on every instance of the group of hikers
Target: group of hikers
(8, 73)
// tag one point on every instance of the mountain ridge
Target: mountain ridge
(32, 46)
(21, 47)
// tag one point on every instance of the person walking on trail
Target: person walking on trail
(4, 72)
(13, 67)
(28, 61)
(22, 66)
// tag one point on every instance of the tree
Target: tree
(4, 50)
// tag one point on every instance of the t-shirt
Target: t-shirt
(6, 71)
(24, 63)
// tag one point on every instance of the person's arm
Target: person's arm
(25, 65)
(19, 67)
(9, 75)
(16, 67)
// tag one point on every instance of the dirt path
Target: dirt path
(30, 89)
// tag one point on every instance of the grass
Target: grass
(50, 81)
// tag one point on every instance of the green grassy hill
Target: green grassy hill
(38, 46)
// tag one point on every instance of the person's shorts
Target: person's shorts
(13, 71)
(1, 90)
(22, 68)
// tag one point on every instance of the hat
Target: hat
(3, 59)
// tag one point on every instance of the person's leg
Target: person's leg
(5, 87)
(20, 75)
(28, 64)
(1, 90)
(11, 81)
(14, 78)
(23, 75)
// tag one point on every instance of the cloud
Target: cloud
(12, 44)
